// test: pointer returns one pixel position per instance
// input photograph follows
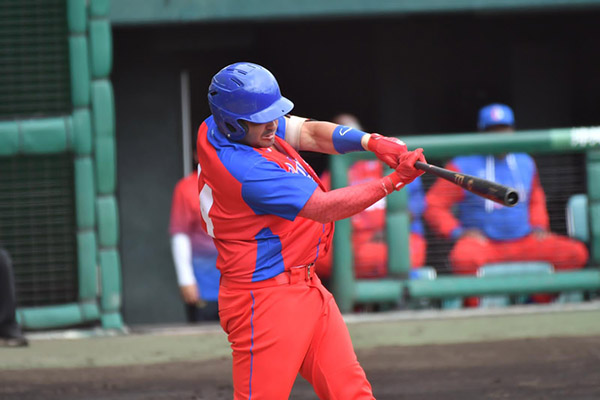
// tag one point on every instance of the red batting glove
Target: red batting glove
(405, 171)
(386, 148)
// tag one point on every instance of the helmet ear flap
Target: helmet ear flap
(244, 125)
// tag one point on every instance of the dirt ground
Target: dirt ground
(549, 369)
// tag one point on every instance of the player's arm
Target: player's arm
(344, 202)
(330, 138)
(538, 213)
(181, 249)
(439, 201)
(181, 245)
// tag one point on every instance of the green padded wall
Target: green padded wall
(58, 213)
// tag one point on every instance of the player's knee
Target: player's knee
(573, 255)
(465, 258)
(580, 254)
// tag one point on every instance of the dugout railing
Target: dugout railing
(86, 134)
(396, 286)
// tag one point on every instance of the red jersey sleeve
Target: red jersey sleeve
(538, 213)
(439, 199)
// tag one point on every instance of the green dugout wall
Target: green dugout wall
(84, 134)
(349, 290)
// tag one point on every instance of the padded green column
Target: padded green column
(85, 193)
(80, 71)
(82, 132)
(99, 8)
(593, 180)
(398, 232)
(104, 131)
(87, 259)
(342, 273)
(101, 48)
(111, 289)
(76, 16)
(108, 221)
(103, 127)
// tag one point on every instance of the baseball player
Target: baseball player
(194, 254)
(486, 232)
(271, 220)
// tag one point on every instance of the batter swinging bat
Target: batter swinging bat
(481, 187)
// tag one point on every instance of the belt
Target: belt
(302, 273)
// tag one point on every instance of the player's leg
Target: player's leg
(418, 250)
(269, 330)
(562, 252)
(470, 253)
(331, 365)
(370, 259)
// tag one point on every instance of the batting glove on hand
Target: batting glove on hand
(406, 171)
(387, 149)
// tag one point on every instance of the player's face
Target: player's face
(260, 135)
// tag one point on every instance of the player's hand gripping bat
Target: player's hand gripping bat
(490, 190)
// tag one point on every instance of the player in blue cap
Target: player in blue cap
(487, 232)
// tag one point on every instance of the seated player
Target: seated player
(487, 232)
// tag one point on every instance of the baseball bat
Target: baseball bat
(482, 187)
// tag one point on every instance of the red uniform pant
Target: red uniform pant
(290, 326)
(564, 253)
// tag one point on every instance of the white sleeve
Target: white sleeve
(181, 248)
(292, 131)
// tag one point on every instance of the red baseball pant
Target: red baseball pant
(279, 331)
(471, 253)
(564, 253)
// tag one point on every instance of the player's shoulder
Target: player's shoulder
(525, 161)
(524, 157)
(191, 180)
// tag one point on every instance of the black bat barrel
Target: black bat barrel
(482, 187)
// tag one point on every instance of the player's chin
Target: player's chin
(267, 140)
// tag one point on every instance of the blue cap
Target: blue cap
(495, 114)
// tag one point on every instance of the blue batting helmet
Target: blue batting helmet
(245, 92)
(495, 114)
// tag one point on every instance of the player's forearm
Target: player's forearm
(181, 249)
(330, 138)
(439, 202)
(538, 213)
(345, 202)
